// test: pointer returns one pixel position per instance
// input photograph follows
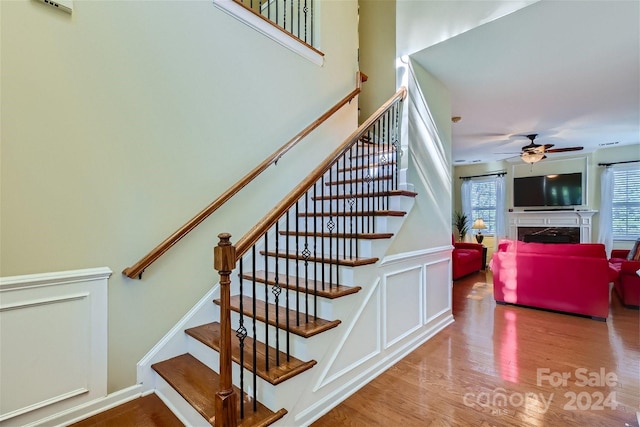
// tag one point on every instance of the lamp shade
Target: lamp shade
(531, 157)
(478, 224)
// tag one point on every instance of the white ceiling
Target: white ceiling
(566, 70)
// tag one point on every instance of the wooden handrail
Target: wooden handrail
(252, 237)
(136, 270)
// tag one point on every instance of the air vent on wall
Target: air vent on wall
(64, 5)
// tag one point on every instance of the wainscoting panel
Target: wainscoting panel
(407, 302)
(403, 311)
(437, 297)
(53, 352)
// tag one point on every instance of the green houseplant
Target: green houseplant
(461, 222)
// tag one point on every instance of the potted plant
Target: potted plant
(461, 222)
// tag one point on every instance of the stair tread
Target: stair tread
(209, 334)
(198, 385)
(361, 236)
(364, 195)
(312, 287)
(303, 329)
(357, 213)
(367, 166)
(145, 411)
(354, 180)
(349, 262)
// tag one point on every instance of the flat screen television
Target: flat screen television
(559, 190)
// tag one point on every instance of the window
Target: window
(625, 210)
(483, 204)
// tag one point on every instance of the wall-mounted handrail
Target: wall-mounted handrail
(249, 239)
(136, 270)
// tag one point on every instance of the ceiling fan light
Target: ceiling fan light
(532, 157)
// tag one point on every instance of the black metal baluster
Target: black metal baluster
(330, 227)
(284, 14)
(266, 299)
(367, 162)
(287, 286)
(277, 290)
(306, 10)
(255, 333)
(353, 218)
(312, 25)
(315, 251)
(344, 207)
(298, 32)
(297, 261)
(322, 197)
(306, 254)
(241, 333)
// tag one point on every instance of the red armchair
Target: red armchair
(627, 284)
(466, 258)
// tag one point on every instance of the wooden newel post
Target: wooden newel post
(224, 261)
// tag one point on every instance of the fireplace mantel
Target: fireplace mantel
(557, 218)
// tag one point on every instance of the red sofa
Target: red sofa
(566, 277)
(466, 258)
(627, 284)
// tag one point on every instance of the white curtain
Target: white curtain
(465, 191)
(605, 227)
(500, 207)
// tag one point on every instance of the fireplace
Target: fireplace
(552, 226)
(549, 234)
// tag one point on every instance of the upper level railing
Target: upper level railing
(136, 270)
(295, 17)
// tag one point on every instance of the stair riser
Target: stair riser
(367, 224)
(330, 247)
(328, 273)
(298, 345)
(359, 203)
(359, 187)
(298, 300)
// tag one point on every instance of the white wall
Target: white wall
(121, 121)
(422, 24)
(428, 156)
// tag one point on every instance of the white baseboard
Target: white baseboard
(89, 409)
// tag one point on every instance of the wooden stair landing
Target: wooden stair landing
(304, 329)
(198, 385)
(209, 335)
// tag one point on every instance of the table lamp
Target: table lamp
(478, 224)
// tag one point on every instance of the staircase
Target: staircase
(291, 286)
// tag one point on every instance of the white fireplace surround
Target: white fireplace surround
(559, 218)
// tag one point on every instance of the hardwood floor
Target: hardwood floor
(502, 365)
(147, 411)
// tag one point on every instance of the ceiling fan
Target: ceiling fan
(533, 153)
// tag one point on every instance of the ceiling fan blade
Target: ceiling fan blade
(547, 146)
(562, 150)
